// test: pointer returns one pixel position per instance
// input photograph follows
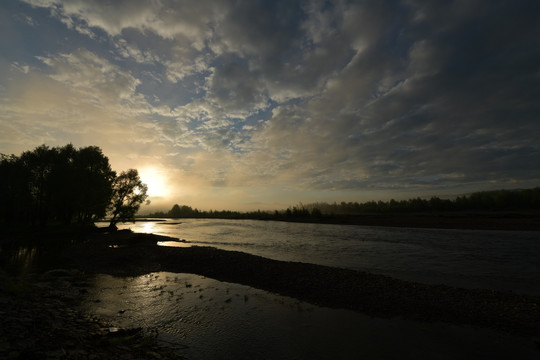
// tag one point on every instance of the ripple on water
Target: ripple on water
(501, 260)
(205, 318)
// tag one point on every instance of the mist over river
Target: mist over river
(500, 260)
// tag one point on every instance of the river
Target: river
(500, 260)
(208, 319)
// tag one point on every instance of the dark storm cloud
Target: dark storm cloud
(342, 95)
(455, 93)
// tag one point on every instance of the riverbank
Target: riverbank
(39, 319)
(128, 254)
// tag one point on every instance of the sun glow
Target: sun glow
(156, 181)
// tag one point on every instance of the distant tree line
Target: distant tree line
(500, 200)
(65, 185)
(184, 211)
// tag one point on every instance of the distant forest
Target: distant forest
(499, 200)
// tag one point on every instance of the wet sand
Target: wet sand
(377, 316)
(128, 254)
(203, 318)
(40, 319)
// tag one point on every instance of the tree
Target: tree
(94, 178)
(39, 163)
(16, 200)
(128, 193)
(60, 185)
(80, 184)
(175, 212)
(63, 185)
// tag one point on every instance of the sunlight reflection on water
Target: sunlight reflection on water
(174, 243)
(149, 227)
(502, 260)
(204, 318)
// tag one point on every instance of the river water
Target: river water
(203, 318)
(500, 260)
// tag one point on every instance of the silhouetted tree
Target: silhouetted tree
(175, 212)
(59, 184)
(65, 184)
(80, 184)
(128, 193)
(316, 213)
(39, 164)
(528, 199)
(94, 178)
(16, 201)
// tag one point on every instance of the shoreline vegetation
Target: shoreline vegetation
(488, 210)
(68, 186)
(44, 187)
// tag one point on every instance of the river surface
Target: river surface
(501, 260)
(203, 318)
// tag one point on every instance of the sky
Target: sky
(247, 105)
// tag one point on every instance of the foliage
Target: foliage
(185, 211)
(127, 196)
(61, 184)
(500, 200)
(65, 185)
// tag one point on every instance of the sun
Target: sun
(156, 181)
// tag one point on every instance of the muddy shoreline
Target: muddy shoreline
(128, 254)
(40, 319)
(40, 316)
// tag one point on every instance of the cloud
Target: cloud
(94, 77)
(168, 19)
(238, 91)
(181, 25)
(340, 95)
(82, 98)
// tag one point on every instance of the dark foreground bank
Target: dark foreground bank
(127, 254)
(39, 319)
(39, 316)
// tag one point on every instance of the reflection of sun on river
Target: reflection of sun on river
(148, 227)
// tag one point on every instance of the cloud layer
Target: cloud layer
(247, 100)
